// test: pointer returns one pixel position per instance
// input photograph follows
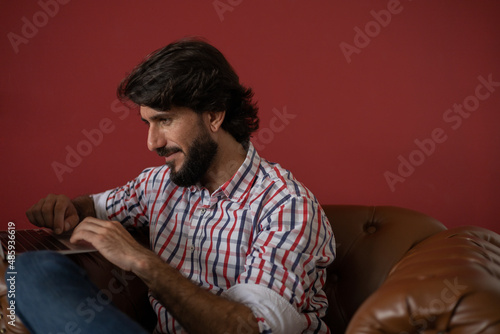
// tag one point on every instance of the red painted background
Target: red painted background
(367, 102)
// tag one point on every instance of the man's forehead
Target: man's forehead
(150, 114)
(147, 111)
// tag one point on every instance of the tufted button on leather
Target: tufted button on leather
(370, 229)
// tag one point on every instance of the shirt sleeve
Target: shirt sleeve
(126, 204)
(289, 257)
(274, 314)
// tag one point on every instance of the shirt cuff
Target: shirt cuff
(266, 304)
(100, 204)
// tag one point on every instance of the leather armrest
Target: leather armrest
(448, 283)
(370, 241)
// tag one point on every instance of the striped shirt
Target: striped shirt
(261, 239)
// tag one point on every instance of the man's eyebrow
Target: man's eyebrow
(157, 117)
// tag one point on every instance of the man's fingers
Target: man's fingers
(47, 210)
(30, 215)
(36, 213)
(56, 212)
(92, 223)
(65, 215)
(94, 231)
(110, 238)
(81, 234)
(89, 225)
(99, 231)
(71, 220)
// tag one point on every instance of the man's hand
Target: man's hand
(56, 212)
(197, 309)
(112, 240)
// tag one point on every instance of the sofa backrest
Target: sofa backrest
(370, 240)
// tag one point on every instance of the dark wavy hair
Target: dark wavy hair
(192, 73)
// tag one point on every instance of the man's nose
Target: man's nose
(155, 138)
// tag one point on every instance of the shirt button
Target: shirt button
(203, 211)
(191, 248)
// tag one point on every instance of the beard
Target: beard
(199, 157)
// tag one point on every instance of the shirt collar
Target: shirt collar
(239, 185)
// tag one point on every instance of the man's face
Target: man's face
(182, 138)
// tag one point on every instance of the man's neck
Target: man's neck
(230, 156)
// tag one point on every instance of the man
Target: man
(233, 237)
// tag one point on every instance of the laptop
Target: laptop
(20, 241)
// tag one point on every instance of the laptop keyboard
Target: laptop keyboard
(30, 240)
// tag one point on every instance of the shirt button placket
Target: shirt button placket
(192, 248)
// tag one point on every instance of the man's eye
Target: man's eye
(164, 121)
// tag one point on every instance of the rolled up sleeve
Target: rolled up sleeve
(286, 269)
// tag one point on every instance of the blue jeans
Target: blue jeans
(54, 296)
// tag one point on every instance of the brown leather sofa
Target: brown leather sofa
(396, 271)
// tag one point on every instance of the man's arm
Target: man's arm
(286, 267)
(60, 213)
(196, 309)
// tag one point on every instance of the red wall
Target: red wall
(360, 99)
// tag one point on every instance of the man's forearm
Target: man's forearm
(84, 206)
(196, 309)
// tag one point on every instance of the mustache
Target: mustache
(166, 151)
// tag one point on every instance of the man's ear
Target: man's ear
(215, 119)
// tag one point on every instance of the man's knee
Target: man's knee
(39, 260)
(35, 267)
